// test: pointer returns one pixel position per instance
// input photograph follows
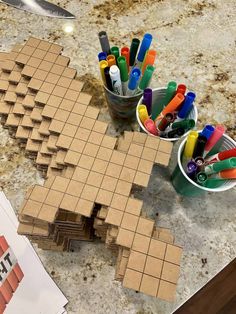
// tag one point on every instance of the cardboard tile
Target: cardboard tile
(134, 206)
(132, 279)
(153, 267)
(145, 226)
(129, 222)
(114, 217)
(162, 158)
(157, 249)
(149, 285)
(125, 238)
(170, 272)
(166, 291)
(173, 254)
(141, 243)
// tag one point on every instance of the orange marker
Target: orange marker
(125, 52)
(111, 60)
(149, 59)
(172, 106)
(228, 174)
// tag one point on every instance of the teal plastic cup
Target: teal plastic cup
(187, 187)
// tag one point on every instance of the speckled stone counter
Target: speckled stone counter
(195, 41)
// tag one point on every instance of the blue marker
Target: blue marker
(146, 43)
(133, 81)
(207, 131)
(187, 105)
(102, 56)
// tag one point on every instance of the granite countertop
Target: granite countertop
(195, 41)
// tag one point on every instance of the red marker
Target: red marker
(216, 135)
(125, 53)
(151, 127)
(222, 155)
(181, 89)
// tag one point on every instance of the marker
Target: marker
(125, 53)
(111, 60)
(216, 135)
(207, 131)
(151, 127)
(115, 80)
(108, 78)
(176, 133)
(212, 183)
(187, 105)
(102, 56)
(226, 174)
(133, 81)
(123, 73)
(190, 144)
(163, 124)
(172, 106)
(181, 89)
(222, 155)
(133, 50)
(147, 99)
(115, 51)
(143, 114)
(146, 42)
(185, 124)
(191, 169)
(221, 165)
(201, 178)
(103, 64)
(199, 147)
(170, 93)
(104, 42)
(200, 162)
(146, 78)
(149, 59)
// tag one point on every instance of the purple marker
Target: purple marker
(147, 99)
(191, 169)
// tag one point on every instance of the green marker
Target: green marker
(214, 183)
(147, 76)
(221, 165)
(133, 50)
(115, 51)
(201, 178)
(170, 92)
(122, 64)
(185, 124)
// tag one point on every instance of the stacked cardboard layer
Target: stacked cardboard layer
(89, 174)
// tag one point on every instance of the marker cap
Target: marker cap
(108, 78)
(163, 124)
(102, 56)
(187, 105)
(149, 59)
(103, 38)
(146, 78)
(123, 68)
(134, 78)
(227, 154)
(186, 124)
(228, 174)
(207, 131)
(143, 114)
(221, 165)
(216, 135)
(133, 50)
(199, 147)
(115, 79)
(103, 64)
(201, 178)
(147, 99)
(172, 105)
(146, 42)
(111, 60)
(151, 127)
(125, 53)
(213, 183)
(115, 51)
(200, 163)
(181, 89)
(190, 144)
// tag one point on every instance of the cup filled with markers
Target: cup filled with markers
(169, 113)
(125, 73)
(206, 162)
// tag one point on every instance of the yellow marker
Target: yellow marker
(143, 114)
(190, 144)
(111, 60)
(103, 64)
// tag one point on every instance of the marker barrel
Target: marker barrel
(221, 165)
(228, 174)
(201, 178)
(103, 64)
(212, 183)
(163, 124)
(125, 53)
(133, 50)
(143, 114)
(103, 38)
(149, 59)
(187, 105)
(191, 169)
(146, 78)
(185, 124)
(190, 144)
(207, 131)
(200, 162)
(123, 73)
(133, 81)
(147, 99)
(199, 147)
(171, 107)
(216, 135)
(222, 155)
(111, 60)
(146, 42)
(108, 78)
(176, 133)
(115, 52)
(151, 127)
(115, 79)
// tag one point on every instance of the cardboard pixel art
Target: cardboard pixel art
(89, 174)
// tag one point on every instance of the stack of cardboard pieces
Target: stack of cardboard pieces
(89, 174)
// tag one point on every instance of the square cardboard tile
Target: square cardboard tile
(132, 279)
(145, 226)
(141, 243)
(125, 238)
(136, 261)
(153, 267)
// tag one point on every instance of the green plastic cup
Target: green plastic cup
(187, 187)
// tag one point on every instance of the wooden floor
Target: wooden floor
(218, 296)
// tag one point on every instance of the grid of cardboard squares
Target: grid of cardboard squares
(89, 174)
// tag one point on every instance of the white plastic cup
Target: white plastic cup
(187, 187)
(158, 95)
